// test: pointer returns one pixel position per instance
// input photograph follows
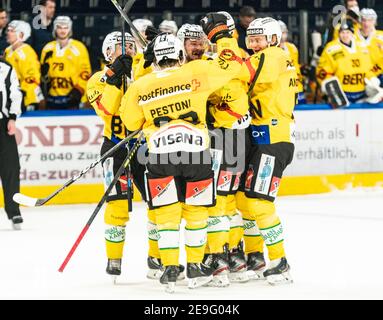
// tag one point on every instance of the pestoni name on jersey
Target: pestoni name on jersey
(164, 92)
(165, 51)
(255, 31)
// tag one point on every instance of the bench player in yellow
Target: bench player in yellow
(65, 67)
(24, 60)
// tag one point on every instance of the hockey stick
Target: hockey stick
(36, 202)
(102, 201)
(129, 6)
(128, 169)
(138, 35)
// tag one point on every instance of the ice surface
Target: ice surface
(334, 244)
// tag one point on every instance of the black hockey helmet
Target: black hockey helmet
(347, 24)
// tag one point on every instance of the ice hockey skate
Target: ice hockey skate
(256, 265)
(16, 222)
(198, 274)
(169, 278)
(278, 272)
(220, 268)
(237, 265)
(114, 269)
(156, 269)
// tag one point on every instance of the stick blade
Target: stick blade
(25, 200)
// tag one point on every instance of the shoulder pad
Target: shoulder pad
(332, 47)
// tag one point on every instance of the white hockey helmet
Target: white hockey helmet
(142, 24)
(62, 21)
(264, 27)
(168, 26)
(21, 27)
(229, 21)
(367, 13)
(111, 40)
(190, 31)
(283, 26)
(168, 46)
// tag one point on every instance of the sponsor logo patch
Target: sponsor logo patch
(266, 168)
(274, 187)
(260, 134)
(224, 181)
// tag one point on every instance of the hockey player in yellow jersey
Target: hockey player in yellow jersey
(228, 117)
(170, 105)
(105, 91)
(65, 67)
(292, 50)
(373, 39)
(272, 96)
(347, 62)
(25, 62)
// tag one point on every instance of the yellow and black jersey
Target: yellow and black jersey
(27, 66)
(273, 92)
(292, 50)
(138, 66)
(374, 43)
(69, 67)
(106, 100)
(179, 95)
(350, 64)
(228, 106)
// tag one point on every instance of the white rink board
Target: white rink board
(328, 142)
(337, 142)
(53, 149)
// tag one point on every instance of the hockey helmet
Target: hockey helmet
(21, 27)
(111, 40)
(168, 46)
(168, 26)
(264, 27)
(62, 21)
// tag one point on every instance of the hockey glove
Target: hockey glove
(149, 54)
(151, 33)
(74, 97)
(121, 66)
(214, 26)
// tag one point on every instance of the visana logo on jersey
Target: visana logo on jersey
(178, 137)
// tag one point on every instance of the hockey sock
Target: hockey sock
(195, 232)
(115, 217)
(168, 220)
(114, 241)
(153, 235)
(236, 230)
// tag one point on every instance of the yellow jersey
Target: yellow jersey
(106, 100)
(27, 66)
(69, 67)
(374, 43)
(228, 106)
(273, 94)
(350, 64)
(292, 50)
(173, 101)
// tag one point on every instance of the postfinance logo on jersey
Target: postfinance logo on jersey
(161, 93)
